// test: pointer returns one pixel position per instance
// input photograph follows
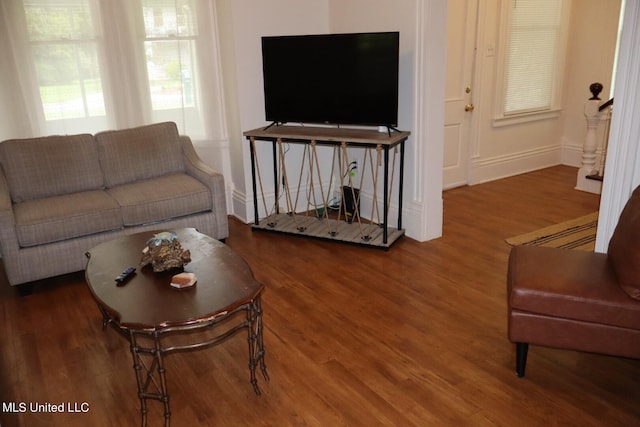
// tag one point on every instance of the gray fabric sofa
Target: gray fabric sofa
(62, 195)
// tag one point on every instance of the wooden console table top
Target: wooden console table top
(328, 135)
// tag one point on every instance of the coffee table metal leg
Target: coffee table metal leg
(256, 344)
(145, 372)
(106, 319)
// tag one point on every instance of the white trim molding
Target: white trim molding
(428, 120)
(622, 169)
(490, 169)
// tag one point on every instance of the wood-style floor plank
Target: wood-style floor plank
(413, 336)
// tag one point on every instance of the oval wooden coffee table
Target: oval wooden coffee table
(158, 319)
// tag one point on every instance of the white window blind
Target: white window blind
(534, 46)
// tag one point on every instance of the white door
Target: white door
(461, 47)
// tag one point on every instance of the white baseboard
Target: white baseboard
(571, 154)
(241, 206)
(499, 167)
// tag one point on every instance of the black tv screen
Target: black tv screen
(332, 78)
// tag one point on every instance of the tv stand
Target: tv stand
(382, 153)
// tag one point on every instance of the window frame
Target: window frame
(190, 112)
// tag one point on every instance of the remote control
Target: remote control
(122, 278)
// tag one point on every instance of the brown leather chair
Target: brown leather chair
(578, 300)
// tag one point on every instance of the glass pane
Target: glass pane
(69, 80)
(170, 66)
(169, 18)
(65, 58)
(56, 20)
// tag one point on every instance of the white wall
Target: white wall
(242, 24)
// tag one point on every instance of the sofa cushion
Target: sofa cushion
(569, 284)
(64, 217)
(161, 198)
(50, 166)
(624, 247)
(140, 153)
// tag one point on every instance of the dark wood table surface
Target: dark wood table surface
(147, 301)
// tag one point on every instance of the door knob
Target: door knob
(469, 107)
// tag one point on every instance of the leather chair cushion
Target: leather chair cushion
(569, 284)
(624, 247)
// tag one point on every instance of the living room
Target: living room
(233, 68)
(354, 336)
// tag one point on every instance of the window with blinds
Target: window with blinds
(534, 56)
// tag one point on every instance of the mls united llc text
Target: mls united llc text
(39, 407)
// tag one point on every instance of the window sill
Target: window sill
(526, 117)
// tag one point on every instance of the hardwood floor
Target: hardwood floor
(415, 336)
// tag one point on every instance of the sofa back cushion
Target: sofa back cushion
(140, 153)
(50, 166)
(624, 247)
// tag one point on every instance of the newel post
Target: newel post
(590, 146)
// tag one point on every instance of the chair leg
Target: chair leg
(521, 358)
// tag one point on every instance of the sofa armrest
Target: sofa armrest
(214, 180)
(8, 236)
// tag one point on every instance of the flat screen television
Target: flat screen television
(332, 78)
